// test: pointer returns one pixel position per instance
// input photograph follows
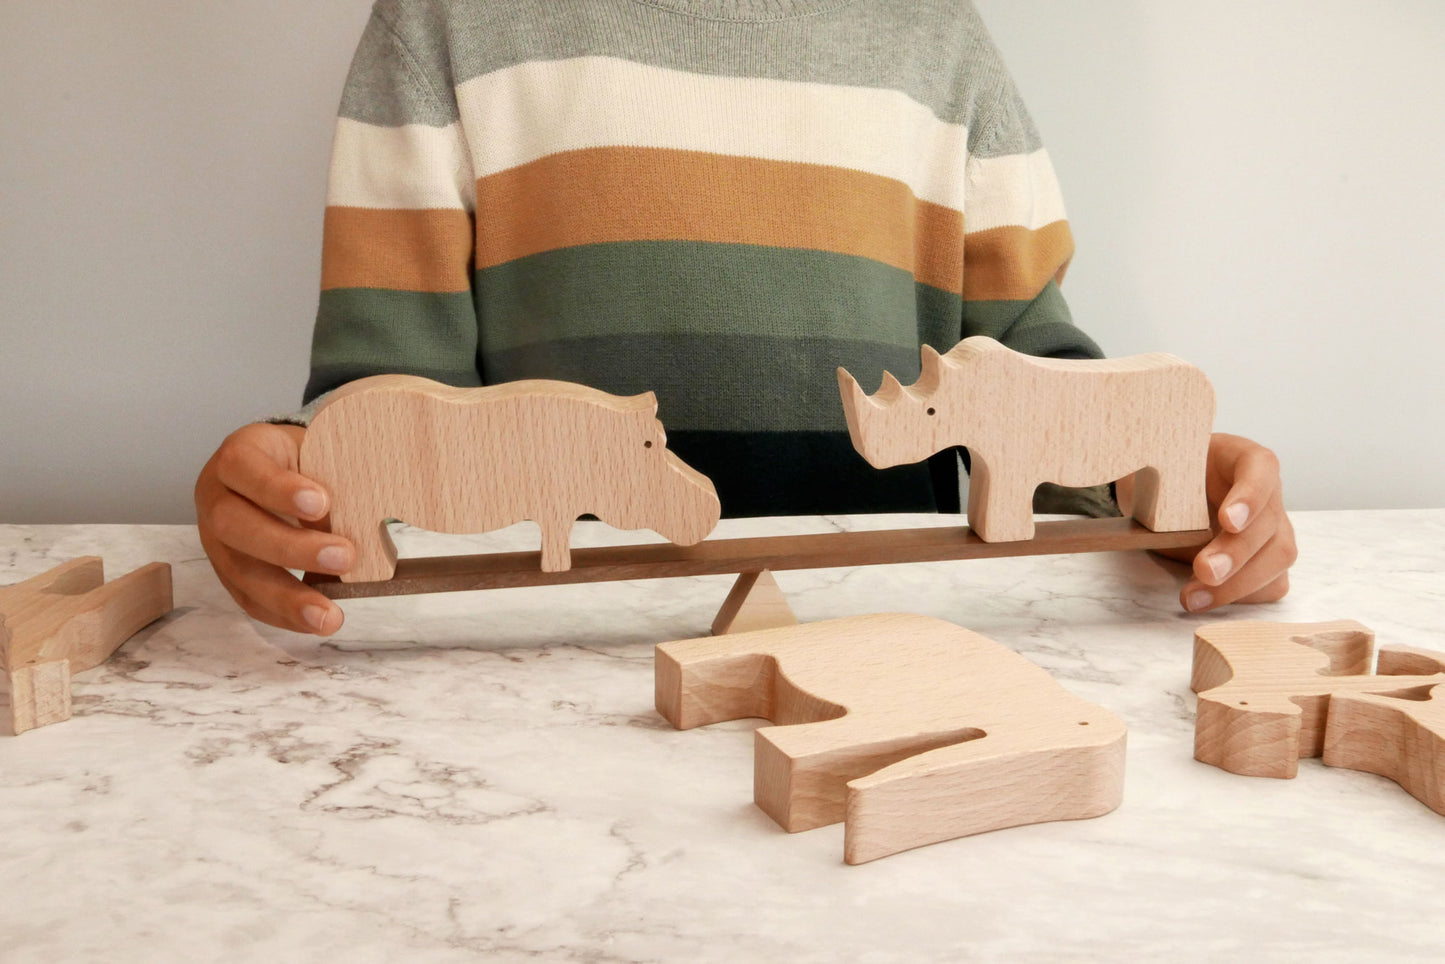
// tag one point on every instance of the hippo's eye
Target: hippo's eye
(647, 444)
(930, 411)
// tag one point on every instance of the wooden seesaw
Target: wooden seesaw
(473, 460)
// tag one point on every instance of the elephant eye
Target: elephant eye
(930, 411)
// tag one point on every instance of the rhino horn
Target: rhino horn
(890, 391)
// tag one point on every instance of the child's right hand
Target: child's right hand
(248, 498)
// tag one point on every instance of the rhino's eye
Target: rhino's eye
(930, 411)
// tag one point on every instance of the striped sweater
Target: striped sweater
(720, 201)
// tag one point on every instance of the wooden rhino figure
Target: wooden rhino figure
(1028, 420)
(477, 459)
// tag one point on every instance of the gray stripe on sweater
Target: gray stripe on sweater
(938, 52)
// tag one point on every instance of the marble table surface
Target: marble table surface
(472, 775)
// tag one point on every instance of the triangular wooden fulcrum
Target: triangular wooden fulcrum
(755, 602)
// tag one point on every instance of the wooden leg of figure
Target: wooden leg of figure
(1000, 509)
(69, 620)
(755, 602)
(1173, 499)
(39, 695)
(375, 552)
(556, 549)
(110, 615)
(996, 781)
(1397, 735)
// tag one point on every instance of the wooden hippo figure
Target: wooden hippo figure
(477, 459)
(1029, 420)
(909, 729)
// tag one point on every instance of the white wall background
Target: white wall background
(1258, 187)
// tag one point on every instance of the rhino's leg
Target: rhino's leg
(556, 536)
(1171, 499)
(1000, 507)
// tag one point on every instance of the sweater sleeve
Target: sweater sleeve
(396, 267)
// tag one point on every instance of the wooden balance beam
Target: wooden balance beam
(823, 550)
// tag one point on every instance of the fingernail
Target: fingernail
(1199, 599)
(310, 503)
(1220, 564)
(1237, 514)
(334, 559)
(315, 617)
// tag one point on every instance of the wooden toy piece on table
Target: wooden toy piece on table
(1029, 420)
(67, 620)
(1399, 735)
(477, 459)
(1272, 693)
(909, 729)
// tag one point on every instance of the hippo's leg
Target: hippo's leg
(556, 535)
(375, 552)
(1000, 506)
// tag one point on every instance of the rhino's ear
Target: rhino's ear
(647, 400)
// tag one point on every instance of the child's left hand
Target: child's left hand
(1253, 547)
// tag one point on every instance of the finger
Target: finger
(1254, 581)
(246, 529)
(272, 595)
(1244, 478)
(1229, 551)
(1273, 592)
(260, 466)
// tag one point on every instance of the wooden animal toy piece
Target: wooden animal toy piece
(1029, 420)
(1271, 693)
(1399, 735)
(476, 459)
(67, 620)
(910, 730)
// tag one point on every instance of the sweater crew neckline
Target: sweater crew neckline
(747, 10)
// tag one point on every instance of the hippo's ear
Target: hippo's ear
(647, 400)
